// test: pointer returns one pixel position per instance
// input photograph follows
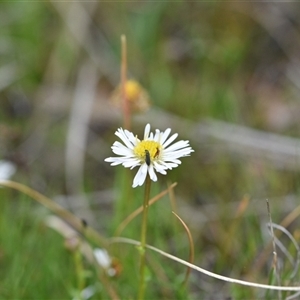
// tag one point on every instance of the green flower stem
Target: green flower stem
(142, 248)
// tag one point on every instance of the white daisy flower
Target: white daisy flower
(153, 153)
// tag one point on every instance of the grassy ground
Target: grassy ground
(197, 61)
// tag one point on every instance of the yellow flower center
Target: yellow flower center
(152, 147)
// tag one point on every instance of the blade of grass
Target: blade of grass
(275, 258)
(71, 219)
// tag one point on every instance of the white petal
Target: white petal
(150, 136)
(131, 137)
(177, 145)
(131, 162)
(171, 165)
(165, 135)
(120, 149)
(114, 160)
(173, 160)
(140, 176)
(121, 134)
(157, 135)
(152, 173)
(160, 168)
(147, 131)
(170, 140)
(177, 153)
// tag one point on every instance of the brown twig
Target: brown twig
(125, 104)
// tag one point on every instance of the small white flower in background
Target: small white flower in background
(86, 293)
(7, 169)
(153, 153)
(103, 259)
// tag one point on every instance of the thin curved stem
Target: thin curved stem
(206, 272)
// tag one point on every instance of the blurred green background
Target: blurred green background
(225, 75)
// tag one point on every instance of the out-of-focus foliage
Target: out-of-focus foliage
(230, 61)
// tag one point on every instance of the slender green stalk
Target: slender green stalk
(79, 271)
(142, 248)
